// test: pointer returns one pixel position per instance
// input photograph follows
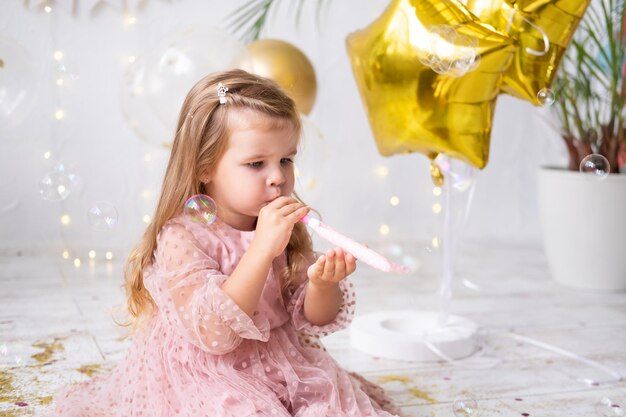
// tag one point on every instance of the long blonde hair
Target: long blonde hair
(200, 141)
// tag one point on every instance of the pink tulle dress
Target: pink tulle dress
(202, 356)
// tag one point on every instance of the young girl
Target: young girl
(227, 315)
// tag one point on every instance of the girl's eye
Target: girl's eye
(286, 161)
(257, 164)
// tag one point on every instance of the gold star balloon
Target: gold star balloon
(544, 29)
(429, 73)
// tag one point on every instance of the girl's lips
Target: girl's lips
(269, 201)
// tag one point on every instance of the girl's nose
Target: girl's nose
(276, 178)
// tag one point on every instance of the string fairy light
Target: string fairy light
(382, 171)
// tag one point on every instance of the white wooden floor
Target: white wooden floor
(56, 328)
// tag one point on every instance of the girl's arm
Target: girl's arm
(246, 282)
(323, 296)
(273, 229)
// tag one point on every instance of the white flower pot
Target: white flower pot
(584, 228)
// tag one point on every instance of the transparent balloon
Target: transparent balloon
(311, 163)
(18, 83)
(9, 180)
(155, 85)
(546, 97)
(102, 216)
(607, 408)
(596, 165)
(201, 209)
(465, 408)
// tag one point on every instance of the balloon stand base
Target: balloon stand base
(416, 336)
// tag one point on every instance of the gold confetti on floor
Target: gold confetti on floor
(90, 369)
(6, 386)
(392, 378)
(418, 393)
(45, 400)
(405, 380)
(49, 349)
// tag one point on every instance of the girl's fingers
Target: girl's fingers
(350, 263)
(318, 266)
(290, 207)
(329, 267)
(298, 214)
(283, 201)
(340, 264)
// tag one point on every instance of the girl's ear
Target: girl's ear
(204, 178)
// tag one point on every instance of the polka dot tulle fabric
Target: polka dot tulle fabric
(202, 356)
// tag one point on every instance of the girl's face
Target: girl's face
(256, 168)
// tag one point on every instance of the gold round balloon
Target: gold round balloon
(285, 64)
(543, 28)
(413, 106)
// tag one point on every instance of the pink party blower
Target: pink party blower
(359, 251)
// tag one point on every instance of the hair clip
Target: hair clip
(221, 92)
(190, 115)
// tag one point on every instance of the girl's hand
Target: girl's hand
(275, 224)
(331, 268)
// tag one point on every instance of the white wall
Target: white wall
(111, 159)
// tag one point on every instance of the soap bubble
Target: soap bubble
(401, 255)
(607, 408)
(13, 355)
(59, 183)
(459, 173)
(596, 165)
(465, 408)
(201, 209)
(55, 186)
(448, 52)
(545, 97)
(102, 216)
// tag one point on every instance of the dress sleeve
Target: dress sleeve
(186, 289)
(295, 307)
